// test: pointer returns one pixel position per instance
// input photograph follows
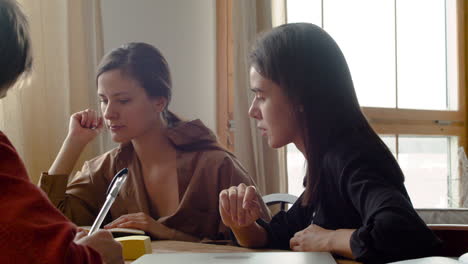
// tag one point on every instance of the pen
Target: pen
(112, 192)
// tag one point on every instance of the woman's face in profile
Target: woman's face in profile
(127, 110)
(273, 111)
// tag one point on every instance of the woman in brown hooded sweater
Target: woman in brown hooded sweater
(176, 168)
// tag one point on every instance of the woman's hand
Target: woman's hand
(139, 221)
(84, 126)
(239, 206)
(316, 238)
(103, 242)
(313, 238)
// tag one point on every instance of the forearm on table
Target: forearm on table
(340, 242)
(252, 236)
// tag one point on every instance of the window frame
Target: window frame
(224, 74)
(401, 122)
(387, 121)
(415, 122)
(430, 122)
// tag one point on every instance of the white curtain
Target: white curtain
(67, 45)
(267, 166)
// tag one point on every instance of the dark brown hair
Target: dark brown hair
(312, 72)
(145, 64)
(15, 44)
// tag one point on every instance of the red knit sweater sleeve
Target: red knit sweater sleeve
(32, 230)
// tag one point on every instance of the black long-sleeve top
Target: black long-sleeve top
(361, 189)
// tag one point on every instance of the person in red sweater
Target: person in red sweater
(32, 230)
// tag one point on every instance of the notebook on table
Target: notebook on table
(238, 258)
(120, 232)
(436, 260)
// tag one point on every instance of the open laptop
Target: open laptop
(238, 258)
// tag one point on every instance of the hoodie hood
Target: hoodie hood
(184, 136)
(193, 136)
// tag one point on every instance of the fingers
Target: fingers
(103, 242)
(295, 242)
(253, 208)
(240, 209)
(117, 222)
(250, 196)
(136, 220)
(80, 229)
(89, 118)
(94, 121)
(84, 126)
(297, 248)
(224, 200)
(232, 194)
(251, 203)
(104, 234)
(239, 205)
(80, 234)
(224, 208)
(84, 118)
(133, 224)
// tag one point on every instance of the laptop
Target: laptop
(238, 258)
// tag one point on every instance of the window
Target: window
(405, 58)
(429, 168)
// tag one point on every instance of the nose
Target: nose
(254, 111)
(109, 112)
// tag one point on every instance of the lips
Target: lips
(116, 127)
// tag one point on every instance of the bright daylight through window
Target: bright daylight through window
(404, 59)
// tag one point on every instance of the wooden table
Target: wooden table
(455, 238)
(168, 246)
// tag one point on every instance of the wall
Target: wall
(185, 32)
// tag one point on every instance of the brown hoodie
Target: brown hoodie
(204, 168)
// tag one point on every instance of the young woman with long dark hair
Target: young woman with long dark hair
(355, 203)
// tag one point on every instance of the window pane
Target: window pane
(421, 54)
(426, 163)
(452, 54)
(296, 170)
(365, 31)
(390, 141)
(430, 166)
(304, 11)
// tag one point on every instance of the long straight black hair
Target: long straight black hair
(312, 72)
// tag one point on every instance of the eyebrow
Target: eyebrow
(114, 95)
(257, 90)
